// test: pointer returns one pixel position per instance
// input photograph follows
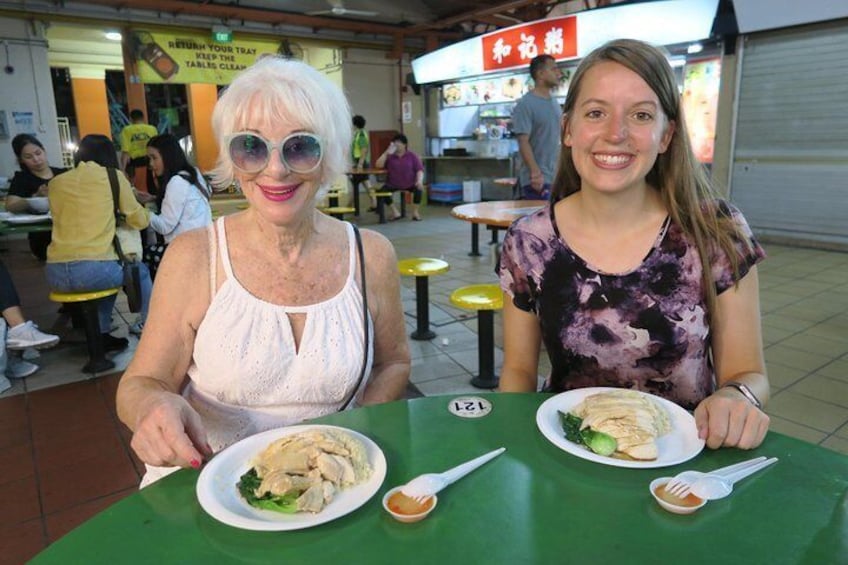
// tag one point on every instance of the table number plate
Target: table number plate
(469, 407)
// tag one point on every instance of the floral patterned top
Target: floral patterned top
(645, 329)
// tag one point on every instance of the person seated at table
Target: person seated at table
(22, 333)
(271, 330)
(31, 181)
(182, 198)
(404, 171)
(637, 274)
(82, 255)
(359, 151)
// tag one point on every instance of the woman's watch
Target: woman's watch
(745, 391)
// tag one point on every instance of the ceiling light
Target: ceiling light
(113, 36)
(677, 61)
(695, 48)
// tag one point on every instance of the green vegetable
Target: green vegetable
(599, 442)
(250, 481)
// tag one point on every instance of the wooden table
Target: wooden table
(495, 215)
(534, 504)
(365, 171)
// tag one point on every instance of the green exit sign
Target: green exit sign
(222, 36)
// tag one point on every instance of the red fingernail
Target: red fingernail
(195, 463)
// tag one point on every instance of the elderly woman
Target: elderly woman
(30, 181)
(278, 324)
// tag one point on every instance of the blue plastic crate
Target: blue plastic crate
(445, 192)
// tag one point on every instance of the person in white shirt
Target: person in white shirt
(182, 199)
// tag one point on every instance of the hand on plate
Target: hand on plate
(727, 419)
(169, 432)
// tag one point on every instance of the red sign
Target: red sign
(516, 46)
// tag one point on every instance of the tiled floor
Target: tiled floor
(64, 456)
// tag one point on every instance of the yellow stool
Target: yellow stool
(422, 268)
(485, 299)
(338, 211)
(86, 302)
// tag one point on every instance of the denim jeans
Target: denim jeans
(529, 193)
(78, 276)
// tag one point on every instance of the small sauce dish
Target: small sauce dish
(679, 505)
(405, 509)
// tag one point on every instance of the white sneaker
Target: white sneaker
(19, 369)
(27, 335)
(137, 328)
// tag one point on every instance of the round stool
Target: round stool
(485, 299)
(421, 268)
(86, 302)
(383, 198)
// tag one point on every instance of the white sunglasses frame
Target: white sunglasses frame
(279, 147)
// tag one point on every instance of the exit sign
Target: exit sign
(222, 35)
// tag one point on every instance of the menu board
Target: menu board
(700, 105)
(486, 91)
(494, 90)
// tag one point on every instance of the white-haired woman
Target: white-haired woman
(273, 327)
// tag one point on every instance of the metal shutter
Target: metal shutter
(790, 165)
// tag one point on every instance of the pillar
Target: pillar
(201, 101)
(91, 106)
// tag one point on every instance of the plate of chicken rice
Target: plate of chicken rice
(619, 427)
(291, 478)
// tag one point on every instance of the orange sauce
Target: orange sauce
(688, 501)
(399, 503)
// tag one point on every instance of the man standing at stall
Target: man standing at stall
(134, 138)
(536, 123)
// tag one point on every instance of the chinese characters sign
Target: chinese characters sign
(516, 46)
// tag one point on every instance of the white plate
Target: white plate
(680, 444)
(38, 204)
(26, 218)
(218, 495)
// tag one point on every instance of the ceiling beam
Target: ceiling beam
(253, 14)
(473, 15)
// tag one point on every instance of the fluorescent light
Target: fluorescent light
(113, 36)
(694, 48)
(677, 61)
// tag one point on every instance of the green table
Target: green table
(533, 504)
(6, 228)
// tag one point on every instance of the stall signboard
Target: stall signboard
(517, 46)
(186, 57)
(662, 22)
(700, 105)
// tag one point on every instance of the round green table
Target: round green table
(533, 504)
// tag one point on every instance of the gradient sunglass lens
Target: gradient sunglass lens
(302, 153)
(249, 152)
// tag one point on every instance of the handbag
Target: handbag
(127, 242)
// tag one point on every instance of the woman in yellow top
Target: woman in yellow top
(82, 255)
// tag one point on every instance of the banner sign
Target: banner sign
(187, 57)
(517, 46)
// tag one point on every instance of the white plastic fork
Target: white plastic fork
(424, 486)
(682, 483)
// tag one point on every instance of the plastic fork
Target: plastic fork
(682, 483)
(424, 486)
(713, 487)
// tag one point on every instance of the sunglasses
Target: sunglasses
(250, 153)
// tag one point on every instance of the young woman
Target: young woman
(637, 275)
(30, 181)
(82, 255)
(182, 199)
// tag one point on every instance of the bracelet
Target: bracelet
(746, 392)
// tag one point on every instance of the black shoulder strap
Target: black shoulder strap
(365, 332)
(113, 181)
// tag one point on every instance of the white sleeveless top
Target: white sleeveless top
(246, 375)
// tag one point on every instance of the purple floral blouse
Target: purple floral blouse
(645, 329)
